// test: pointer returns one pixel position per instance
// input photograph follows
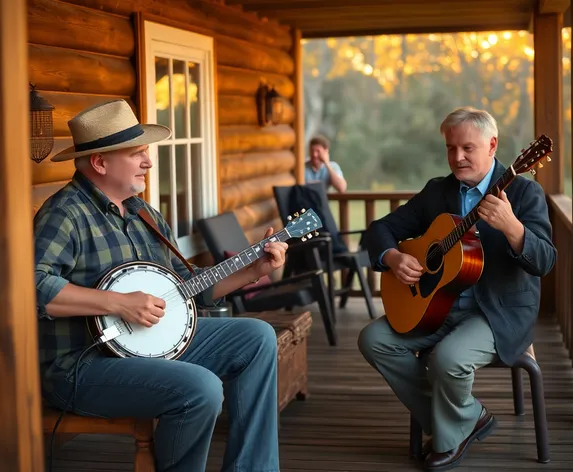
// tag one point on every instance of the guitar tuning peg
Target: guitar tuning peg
(540, 165)
(303, 210)
(289, 217)
(316, 233)
(532, 171)
(296, 214)
(309, 235)
(548, 159)
(303, 239)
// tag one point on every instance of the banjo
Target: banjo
(170, 337)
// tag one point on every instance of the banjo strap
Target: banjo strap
(145, 216)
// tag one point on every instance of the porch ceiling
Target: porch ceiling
(323, 18)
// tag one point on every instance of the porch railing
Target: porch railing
(561, 219)
(356, 210)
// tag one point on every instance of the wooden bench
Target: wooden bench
(292, 331)
(141, 430)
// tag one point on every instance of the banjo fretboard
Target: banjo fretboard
(209, 277)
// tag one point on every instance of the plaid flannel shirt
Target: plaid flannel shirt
(79, 236)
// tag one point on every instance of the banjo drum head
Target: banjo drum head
(166, 339)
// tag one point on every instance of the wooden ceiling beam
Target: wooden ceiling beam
(553, 6)
(358, 3)
(349, 15)
(368, 30)
(409, 6)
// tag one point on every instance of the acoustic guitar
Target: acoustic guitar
(451, 256)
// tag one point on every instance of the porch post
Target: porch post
(298, 102)
(548, 109)
(21, 440)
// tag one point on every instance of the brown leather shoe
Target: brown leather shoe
(439, 461)
(427, 448)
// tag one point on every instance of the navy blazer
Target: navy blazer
(508, 291)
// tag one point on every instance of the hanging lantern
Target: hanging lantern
(41, 126)
(275, 106)
(261, 98)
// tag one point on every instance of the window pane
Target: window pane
(182, 190)
(179, 99)
(196, 184)
(163, 153)
(162, 90)
(194, 104)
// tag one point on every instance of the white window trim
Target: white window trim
(174, 42)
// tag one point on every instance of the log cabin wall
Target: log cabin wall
(83, 51)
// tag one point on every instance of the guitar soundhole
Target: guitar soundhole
(434, 258)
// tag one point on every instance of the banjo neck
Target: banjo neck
(209, 277)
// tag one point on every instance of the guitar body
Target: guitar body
(426, 304)
(167, 339)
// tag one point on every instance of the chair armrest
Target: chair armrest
(355, 231)
(291, 280)
(299, 245)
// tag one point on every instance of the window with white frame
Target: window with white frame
(180, 91)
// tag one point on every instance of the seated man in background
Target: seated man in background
(320, 167)
(493, 319)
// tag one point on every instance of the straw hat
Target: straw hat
(106, 127)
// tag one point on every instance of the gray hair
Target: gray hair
(481, 119)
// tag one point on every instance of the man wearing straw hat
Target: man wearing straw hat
(91, 226)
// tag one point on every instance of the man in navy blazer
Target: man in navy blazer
(493, 319)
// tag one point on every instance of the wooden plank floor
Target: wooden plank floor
(353, 422)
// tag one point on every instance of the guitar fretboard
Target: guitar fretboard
(209, 277)
(472, 217)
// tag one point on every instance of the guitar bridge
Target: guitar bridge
(413, 290)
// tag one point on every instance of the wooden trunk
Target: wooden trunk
(292, 332)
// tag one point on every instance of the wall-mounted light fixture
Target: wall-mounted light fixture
(270, 105)
(41, 126)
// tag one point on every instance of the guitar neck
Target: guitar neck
(473, 216)
(209, 277)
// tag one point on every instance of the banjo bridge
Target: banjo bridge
(116, 329)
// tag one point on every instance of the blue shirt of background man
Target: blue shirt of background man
(322, 174)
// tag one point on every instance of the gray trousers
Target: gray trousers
(438, 392)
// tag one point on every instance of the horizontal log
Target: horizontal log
(247, 192)
(256, 234)
(251, 216)
(270, 32)
(40, 193)
(67, 70)
(68, 105)
(55, 23)
(224, 21)
(236, 81)
(48, 171)
(245, 166)
(238, 53)
(242, 110)
(234, 139)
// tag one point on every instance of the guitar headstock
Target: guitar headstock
(533, 155)
(304, 224)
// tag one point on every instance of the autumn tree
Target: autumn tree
(381, 99)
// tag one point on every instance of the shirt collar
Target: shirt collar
(483, 186)
(86, 186)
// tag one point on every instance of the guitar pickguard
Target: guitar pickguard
(429, 281)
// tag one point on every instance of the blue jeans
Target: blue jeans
(186, 395)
